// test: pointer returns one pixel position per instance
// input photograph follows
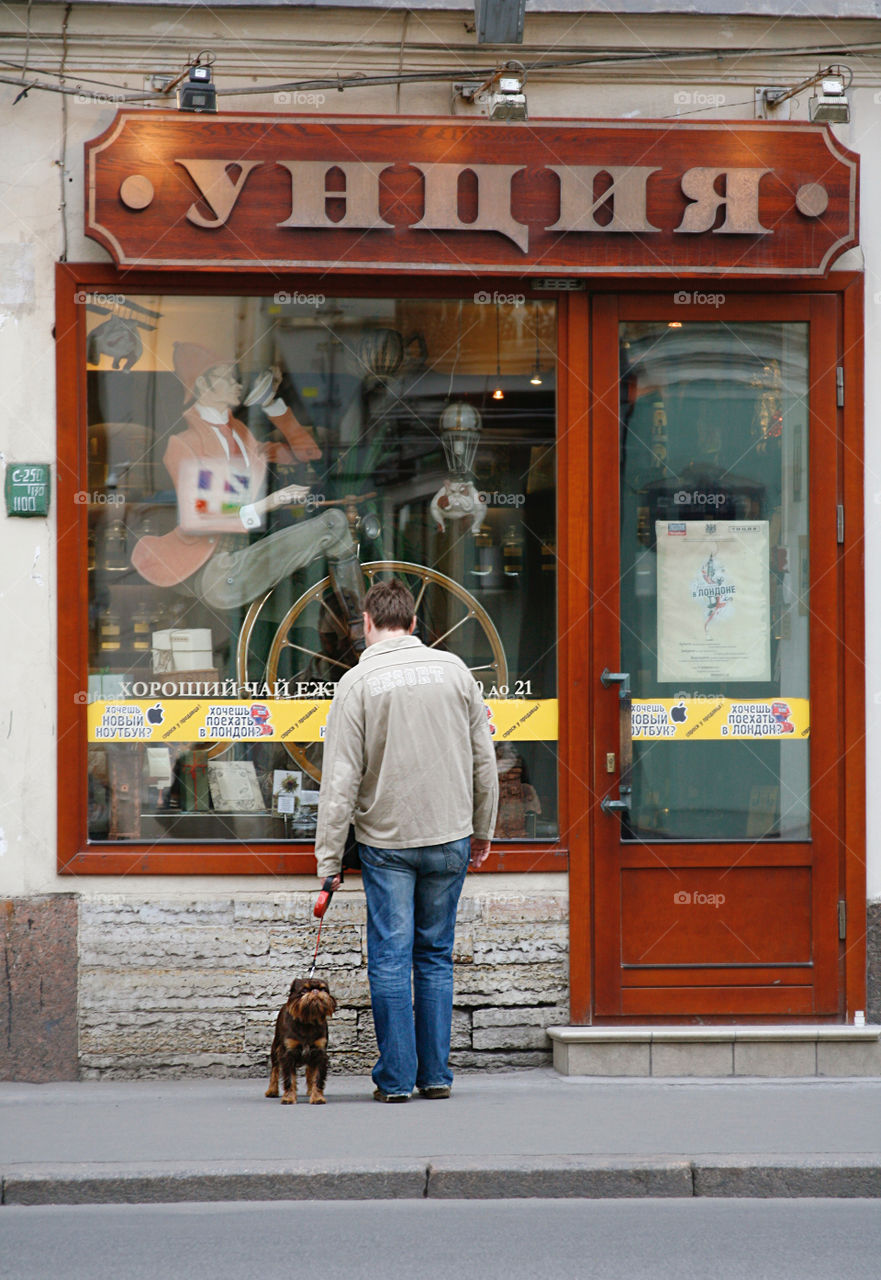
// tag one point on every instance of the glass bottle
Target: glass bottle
(483, 545)
(141, 630)
(512, 552)
(115, 556)
(109, 631)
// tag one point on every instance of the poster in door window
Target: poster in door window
(714, 612)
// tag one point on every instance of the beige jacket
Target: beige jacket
(408, 755)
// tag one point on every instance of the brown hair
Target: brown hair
(390, 605)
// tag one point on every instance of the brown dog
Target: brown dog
(301, 1038)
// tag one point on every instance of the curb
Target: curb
(556, 1178)
(176, 1183)
(788, 1176)
(541, 1177)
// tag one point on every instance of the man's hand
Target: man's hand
(479, 852)
(329, 886)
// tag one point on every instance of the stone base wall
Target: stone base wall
(873, 962)
(181, 988)
(114, 988)
(38, 985)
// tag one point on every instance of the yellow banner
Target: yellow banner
(278, 720)
(720, 719)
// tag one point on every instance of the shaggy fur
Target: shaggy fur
(301, 1039)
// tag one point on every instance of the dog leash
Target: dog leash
(315, 956)
(322, 902)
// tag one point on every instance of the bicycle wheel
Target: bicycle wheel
(311, 646)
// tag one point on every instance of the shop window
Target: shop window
(250, 460)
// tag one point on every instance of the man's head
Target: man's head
(219, 387)
(388, 608)
(207, 377)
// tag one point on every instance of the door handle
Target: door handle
(625, 734)
(616, 677)
(616, 806)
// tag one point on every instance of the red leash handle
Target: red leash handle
(322, 902)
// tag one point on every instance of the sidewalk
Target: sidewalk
(531, 1133)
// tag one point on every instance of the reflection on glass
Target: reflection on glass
(714, 581)
(252, 465)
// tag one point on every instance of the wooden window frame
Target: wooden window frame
(76, 854)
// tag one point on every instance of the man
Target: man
(408, 757)
(218, 469)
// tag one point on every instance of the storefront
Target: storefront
(591, 388)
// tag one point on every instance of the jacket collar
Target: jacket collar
(216, 417)
(387, 646)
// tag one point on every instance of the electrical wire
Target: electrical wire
(359, 80)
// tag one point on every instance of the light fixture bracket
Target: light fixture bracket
(767, 105)
(501, 97)
(830, 104)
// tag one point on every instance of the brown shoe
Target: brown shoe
(435, 1091)
(379, 1096)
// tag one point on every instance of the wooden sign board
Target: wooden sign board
(343, 193)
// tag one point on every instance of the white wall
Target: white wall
(866, 139)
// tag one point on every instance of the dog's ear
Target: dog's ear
(333, 1004)
(296, 988)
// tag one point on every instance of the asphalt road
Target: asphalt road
(426, 1240)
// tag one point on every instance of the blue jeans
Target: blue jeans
(412, 896)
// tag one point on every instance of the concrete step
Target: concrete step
(790, 1050)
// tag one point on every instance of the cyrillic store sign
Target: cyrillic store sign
(575, 197)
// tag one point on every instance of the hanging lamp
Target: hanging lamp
(536, 375)
(498, 394)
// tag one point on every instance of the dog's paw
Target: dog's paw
(317, 1099)
(289, 1098)
(271, 1093)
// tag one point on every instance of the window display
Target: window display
(253, 464)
